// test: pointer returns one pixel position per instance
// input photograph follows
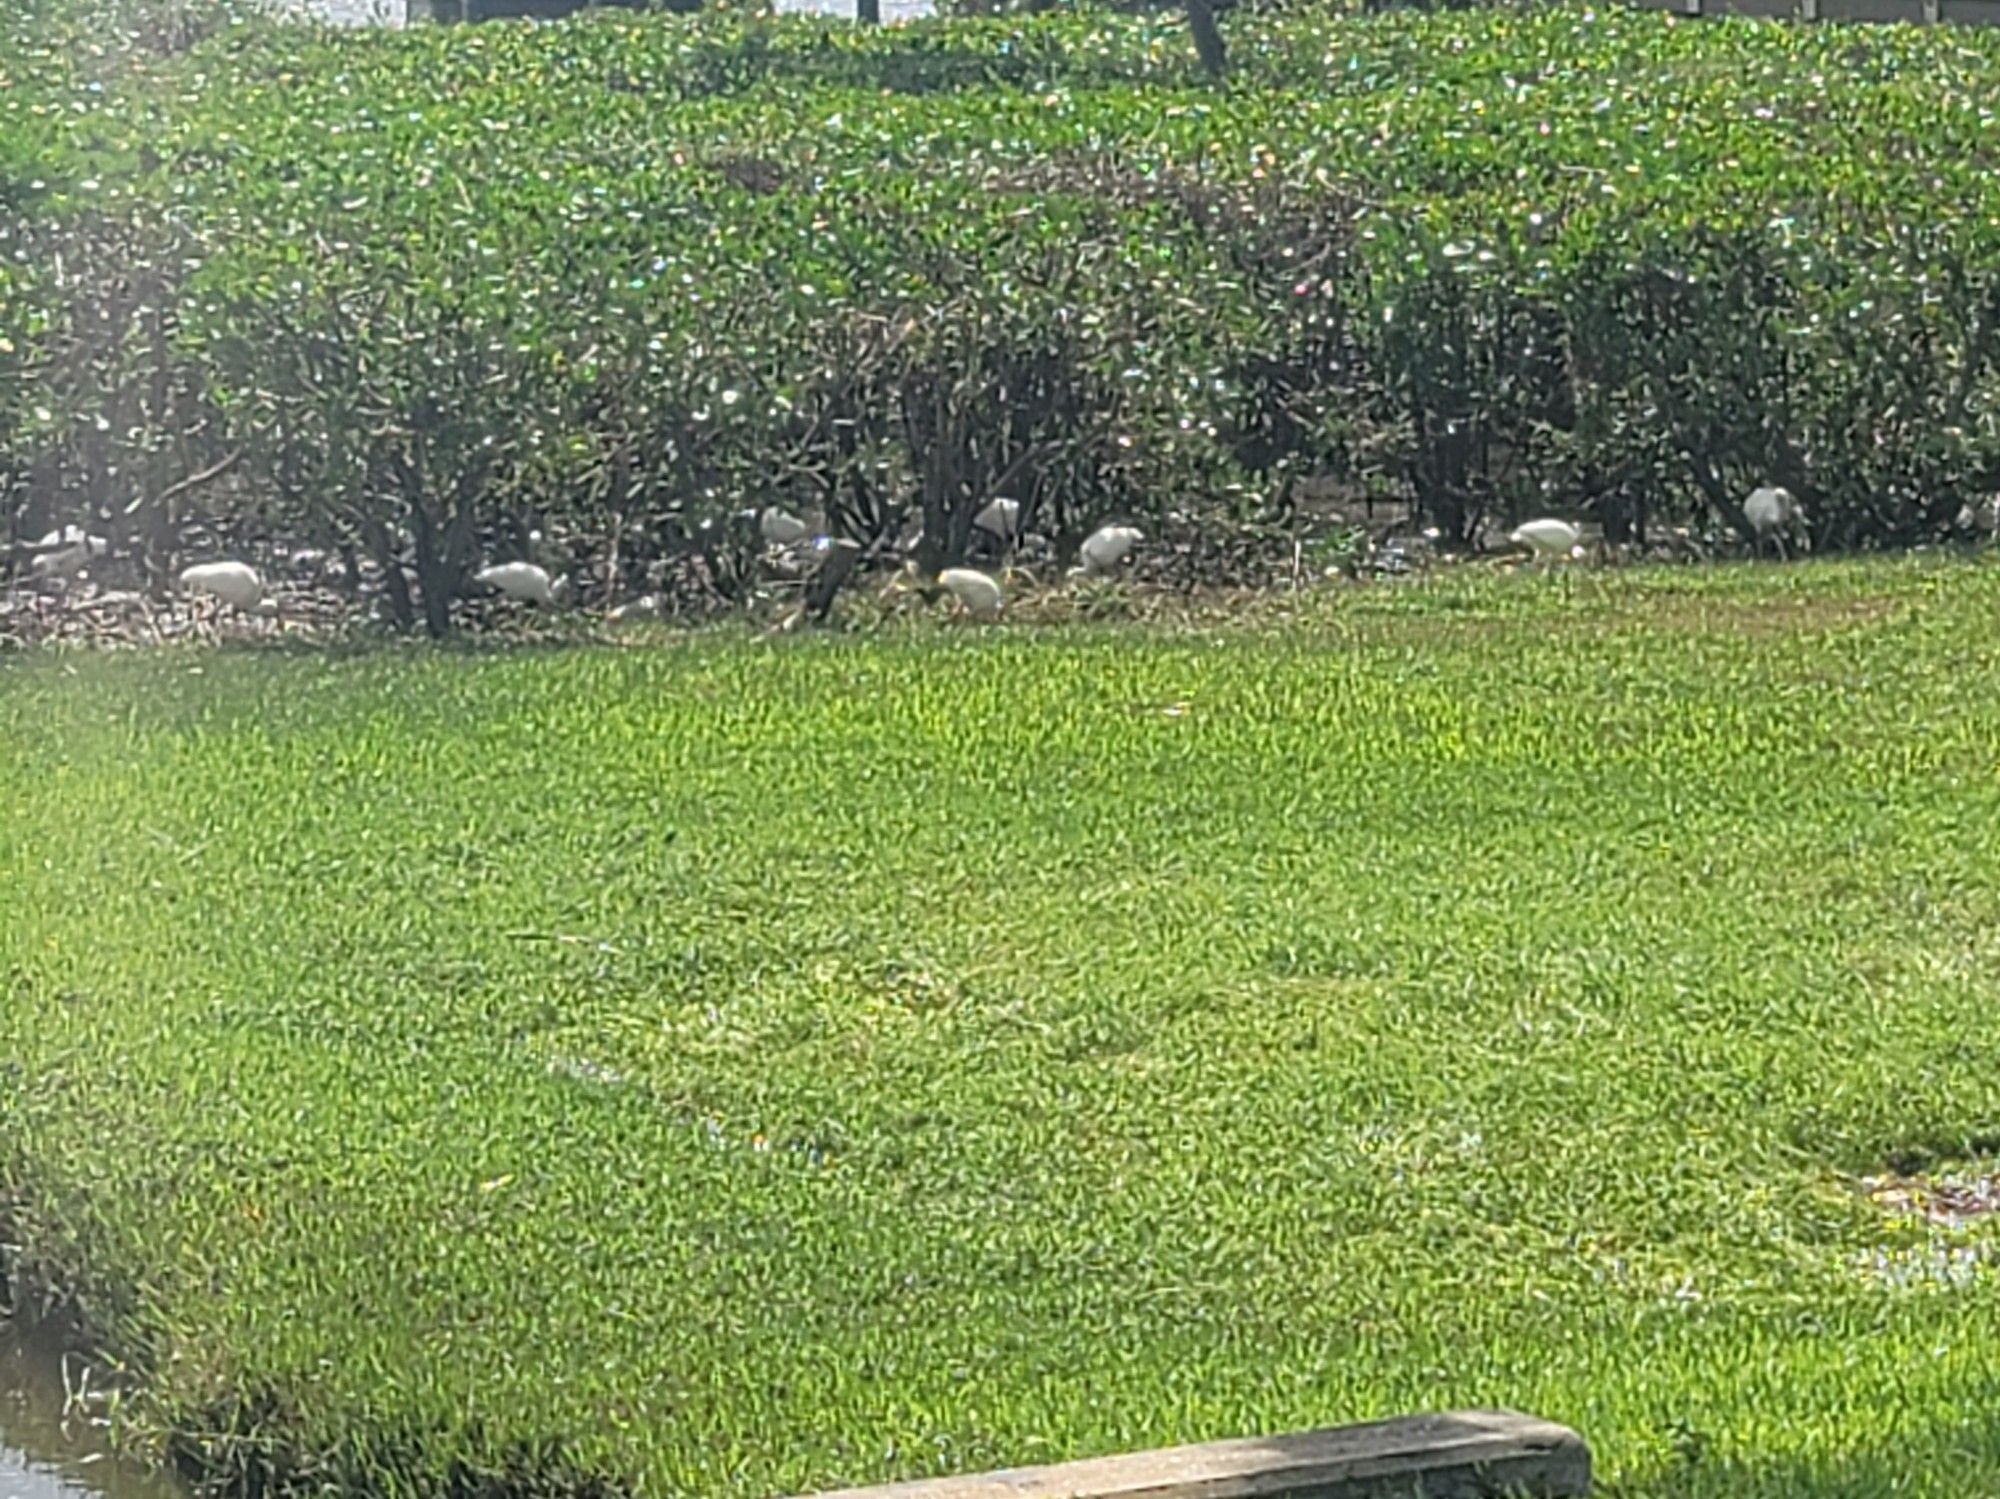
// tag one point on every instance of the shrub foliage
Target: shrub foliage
(431, 284)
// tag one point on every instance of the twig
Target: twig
(572, 938)
(825, 584)
(611, 581)
(193, 481)
(152, 621)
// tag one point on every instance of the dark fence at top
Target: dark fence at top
(1967, 12)
(545, 10)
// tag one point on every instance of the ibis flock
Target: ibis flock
(1772, 515)
(1771, 512)
(978, 594)
(65, 555)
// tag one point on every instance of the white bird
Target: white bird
(1548, 537)
(67, 551)
(781, 528)
(978, 594)
(1001, 518)
(1105, 548)
(519, 580)
(1773, 513)
(237, 584)
(1983, 517)
(638, 609)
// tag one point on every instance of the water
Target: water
(44, 1455)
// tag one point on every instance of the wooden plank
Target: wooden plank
(1448, 1455)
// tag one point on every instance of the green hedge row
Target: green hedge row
(432, 283)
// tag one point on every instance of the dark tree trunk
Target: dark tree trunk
(868, 12)
(1207, 38)
(434, 582)
(437, 575)
(437, 608)
(826, 582)
(396, 588)
(1614, 509)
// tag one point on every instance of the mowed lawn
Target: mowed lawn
(731, 1066)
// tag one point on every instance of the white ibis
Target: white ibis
(976, 593)
(1985, 517)
(999, 518)
(236, 584)
(1773, 513)
(781, 528)
(519, 580)
(1548, 538)
(638, 609)
(1105, 548)
(65, 552)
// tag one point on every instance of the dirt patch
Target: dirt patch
(1939, 1228)
(1165, 590)
(1952, 1199)
(115, 618)
(1768, 617)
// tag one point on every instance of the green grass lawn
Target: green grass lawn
(732, 1066)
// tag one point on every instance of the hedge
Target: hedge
(440, 285)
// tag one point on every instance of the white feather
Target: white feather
(638, 609)
(781, 528)
(237, 584)
(1106, 547)
(1771, 508)
(1001, 518)
(978, 594)
(73, 548)
(1546, 537)
(519, 580)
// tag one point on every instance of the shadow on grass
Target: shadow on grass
(244, 1452)
(361, 645)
